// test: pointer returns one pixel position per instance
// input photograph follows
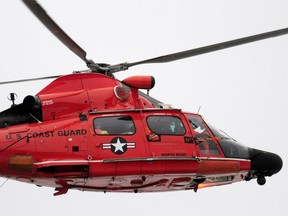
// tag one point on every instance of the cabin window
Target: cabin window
(166, 125)
(114, 125)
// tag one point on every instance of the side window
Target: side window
(166, 125)
(203, 136)
(198, 127)
(114, 125)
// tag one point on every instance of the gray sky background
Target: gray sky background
(241, 90)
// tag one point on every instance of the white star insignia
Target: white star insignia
(118, 145)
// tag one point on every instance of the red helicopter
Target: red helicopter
(91, 132)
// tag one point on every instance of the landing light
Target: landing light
(122, 92)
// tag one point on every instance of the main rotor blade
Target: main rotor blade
(41, 14)
(210, 48)
(31, 79)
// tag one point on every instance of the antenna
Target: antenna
(4, 183)
(199, 110)
(35, 118)
(12, 97)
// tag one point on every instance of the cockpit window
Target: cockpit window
(114, 125)
(200, 129)
(219, 134)
(230, 147)
(196, 124)
(205, 141)
(166, 125)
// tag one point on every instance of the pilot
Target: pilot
(99, 130)
(172, 127)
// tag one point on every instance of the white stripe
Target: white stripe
(131, 145)
(131, 159)
(69, 161)
(215, 158)
(106, 144)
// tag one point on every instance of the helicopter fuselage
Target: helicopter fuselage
(80, 133)
(127, 154)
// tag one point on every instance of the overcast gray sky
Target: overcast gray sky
(241, 90)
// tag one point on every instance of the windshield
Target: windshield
(207, 137)
(230, 147)
(219, 134)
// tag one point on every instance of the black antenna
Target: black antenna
(12, 97)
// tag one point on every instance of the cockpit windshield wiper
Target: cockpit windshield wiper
(227, 136)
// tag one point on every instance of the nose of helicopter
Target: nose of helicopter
(264, 164)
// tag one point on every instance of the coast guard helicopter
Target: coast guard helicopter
(91, 132)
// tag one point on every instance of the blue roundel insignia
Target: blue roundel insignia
(118, 145)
